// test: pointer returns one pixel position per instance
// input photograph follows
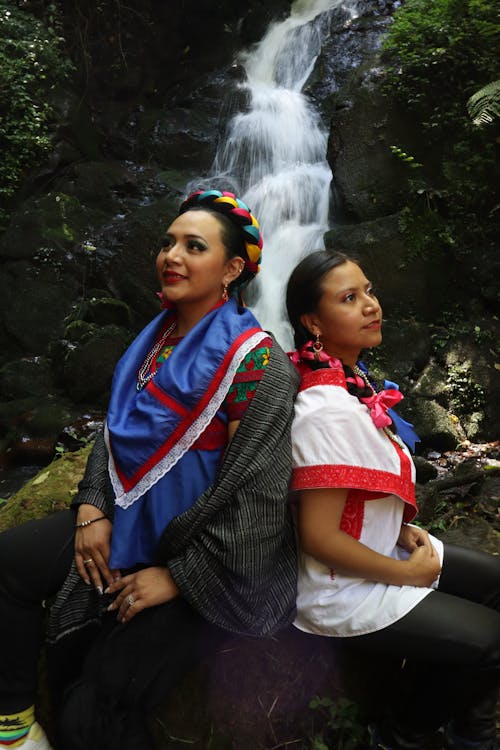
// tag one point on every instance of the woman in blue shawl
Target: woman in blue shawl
(179, 531)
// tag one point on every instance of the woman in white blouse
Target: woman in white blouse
(366, 573)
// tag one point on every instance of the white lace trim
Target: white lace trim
(126, 499)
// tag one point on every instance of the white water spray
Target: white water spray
(275, 154)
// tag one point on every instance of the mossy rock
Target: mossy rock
(102, 311)
(29, 376)
(432, 383)
(88, 368)
(52, 489)
(34, 317)
(433, 424)
(48, 227)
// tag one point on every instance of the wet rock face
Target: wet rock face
(347, 85)
(152, 46)
(144, 123)
(158, 90)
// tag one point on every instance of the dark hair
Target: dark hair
(305, 288)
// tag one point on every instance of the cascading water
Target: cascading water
(274, 154)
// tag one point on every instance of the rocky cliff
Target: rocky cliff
(152, 92)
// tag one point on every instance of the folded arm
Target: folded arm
(319, 516)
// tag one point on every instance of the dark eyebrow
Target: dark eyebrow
(170, 235)
(355, 288)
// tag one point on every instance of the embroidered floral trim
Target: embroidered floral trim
(327, 376)
(357, 478)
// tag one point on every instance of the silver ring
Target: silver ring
(88, 561)
(130, 600)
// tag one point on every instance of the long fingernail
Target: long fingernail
(111, 607)
(99, 590)
(106, 590)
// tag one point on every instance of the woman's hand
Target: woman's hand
(423, 567)
(92, 545)
(423, 564)
(137, 591)
(411, 537)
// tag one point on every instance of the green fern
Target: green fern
(484, 105)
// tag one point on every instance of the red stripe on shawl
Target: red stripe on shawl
(181, 428)
(165, 399)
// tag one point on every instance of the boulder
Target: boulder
(29, 376)
(473, 382)
(433, 424)
(30, 427)
(88, 361)
(431, 384)
(99, 310)
(36, 317)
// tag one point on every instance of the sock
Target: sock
(14, 728)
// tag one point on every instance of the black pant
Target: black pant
(451, 641)
(116, 677)
(129, 671)
(451, 646)
(34, 561)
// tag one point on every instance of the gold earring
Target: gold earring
(317, 346)
(225, 295)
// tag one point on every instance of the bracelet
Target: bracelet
(82, 524)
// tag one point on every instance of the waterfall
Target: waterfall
(273, 154)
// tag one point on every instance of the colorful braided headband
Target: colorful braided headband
(239, 213)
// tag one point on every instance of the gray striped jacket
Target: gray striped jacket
(232, 554)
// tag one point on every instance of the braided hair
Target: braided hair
(303, 294)
(239, 230)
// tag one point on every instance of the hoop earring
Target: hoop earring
(317, 347)
(225, 295)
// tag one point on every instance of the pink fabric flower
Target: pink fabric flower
(379, 403)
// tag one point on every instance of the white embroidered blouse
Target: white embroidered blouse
(336, 444)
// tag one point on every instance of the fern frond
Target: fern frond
(484, 105)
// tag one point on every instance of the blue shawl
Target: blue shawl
(159, 463)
